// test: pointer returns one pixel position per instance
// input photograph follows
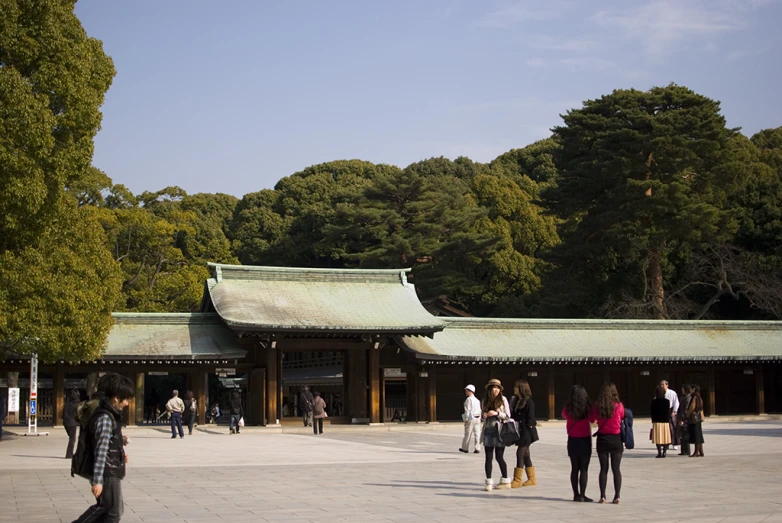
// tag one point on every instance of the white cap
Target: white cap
(471, 388)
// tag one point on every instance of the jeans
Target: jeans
(176, 422)
(234, 423)
(109, 506)
(306, 417)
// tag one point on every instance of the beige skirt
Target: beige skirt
(661, 435)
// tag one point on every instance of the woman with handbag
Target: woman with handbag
(608, 412)
(579, 442)
(694, 420)
(681, 417)
(319, 412)
(661, 419)
(495, 411)
(523, 411)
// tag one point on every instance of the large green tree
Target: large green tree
(55, 281)
(642, 181)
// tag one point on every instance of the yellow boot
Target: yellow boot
(518, 477)
(530, 477)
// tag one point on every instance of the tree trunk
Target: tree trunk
(656, 280)
(655, 267)
(13, 382)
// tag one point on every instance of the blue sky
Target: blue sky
(232, 96)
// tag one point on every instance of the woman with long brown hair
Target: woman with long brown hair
(694, 420)
(608, 412)
(579, 441)
(495, 410)
(523, 411)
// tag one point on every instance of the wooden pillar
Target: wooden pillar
(374, 385)
(200, 386)
(130, 411)
(272, 386)
(432, 394)
(712, 394)
(760, 395)
(412, 393)
(256, 397)
(59, 395)
(139, 397)
(552, 407)
(357, 384)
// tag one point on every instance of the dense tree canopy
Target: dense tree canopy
(58, 284)
(641, 204)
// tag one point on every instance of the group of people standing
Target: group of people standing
(677, 421)
(483, 424)
(674, 421)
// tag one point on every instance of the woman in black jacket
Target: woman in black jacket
(69, 420)
(191, 411)
(661, 418)
(523, 411)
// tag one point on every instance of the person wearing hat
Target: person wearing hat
(495, 411)
(472, 420)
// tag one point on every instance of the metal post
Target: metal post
(32, 418)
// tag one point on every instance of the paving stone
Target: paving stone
(392, 476)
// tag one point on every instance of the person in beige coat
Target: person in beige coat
(318, 412)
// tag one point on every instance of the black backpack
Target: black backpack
(83, 460)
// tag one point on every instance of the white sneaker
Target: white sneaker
(489, 486)
(674, 447)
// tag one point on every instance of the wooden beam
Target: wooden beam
(432, 392)
(712, 394)
(256, 397)
(59, 395)
(374, 385)
(140, 397)
(760, 395)
(272, 386)
(552, 407)
(200, 390)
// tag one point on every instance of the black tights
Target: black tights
(522, 457)
(579, 465)
(662, 450)
(616, 461)
(500, 453)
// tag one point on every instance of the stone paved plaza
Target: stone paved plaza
(407, 473)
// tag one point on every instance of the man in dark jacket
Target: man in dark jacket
(305, 405)
(106, 442)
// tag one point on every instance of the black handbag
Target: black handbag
(509, 432)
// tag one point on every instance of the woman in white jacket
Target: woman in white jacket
(495, 411)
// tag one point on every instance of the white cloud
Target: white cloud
(553, 44)
(663, 25)
(583, 63)
(508, 13)
(535, 62)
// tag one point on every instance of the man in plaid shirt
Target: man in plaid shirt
(106, 439)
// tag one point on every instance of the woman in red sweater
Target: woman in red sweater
(579, 441)
(608, 413)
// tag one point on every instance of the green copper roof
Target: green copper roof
(170, 336)
(282, 299)
(491, 339)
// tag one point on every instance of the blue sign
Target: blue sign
(32, 407)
